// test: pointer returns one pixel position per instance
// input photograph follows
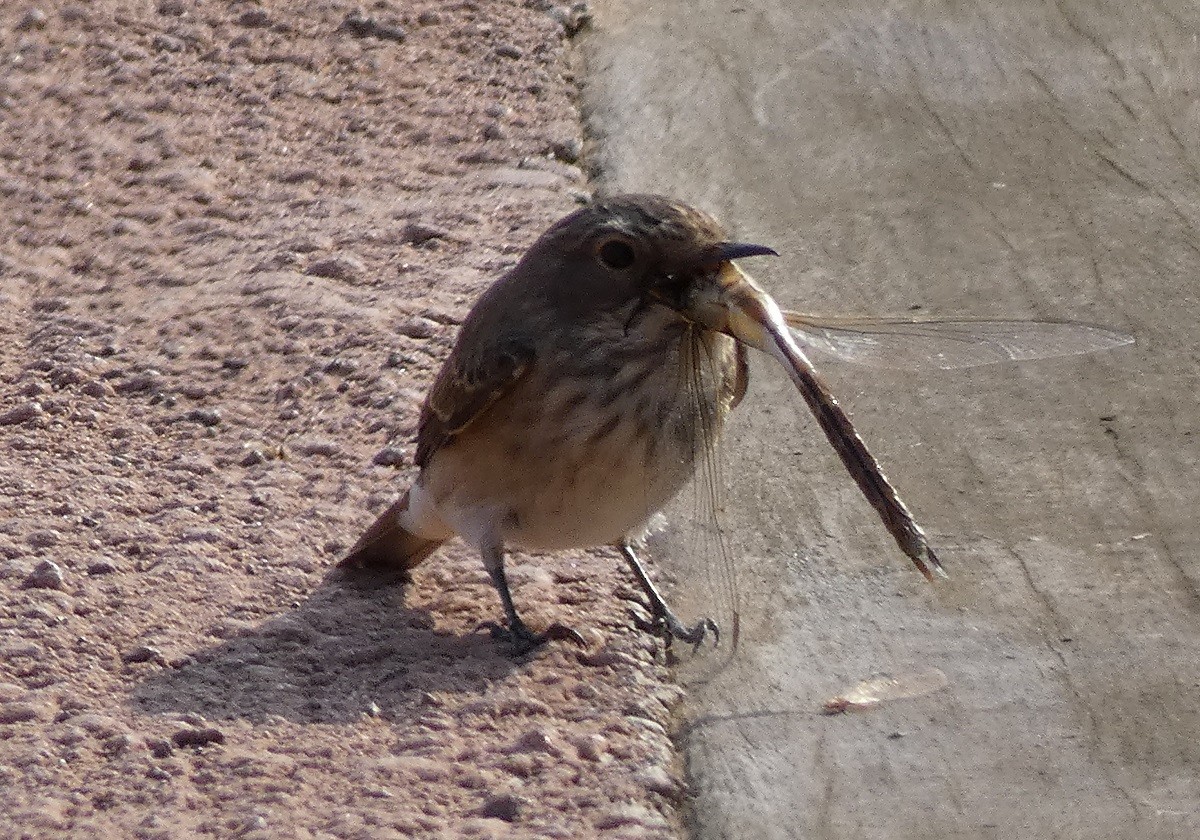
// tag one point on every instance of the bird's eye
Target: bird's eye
(617, 254)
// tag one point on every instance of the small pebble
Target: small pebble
(159, 747)
(253, 457)
(98, 389)
(508, 51)
(389, 457)
(21, 414)
(204, 416)
(18, 712)
(417, 328)
(568, 151)
(326, 448)
(589, 747)
(504, 806)
(147, 380)
(362, 26)
(418, 233)
(536, 740)
(341, 267)
(116, 745)
(167, 43)
(197, 738)
(257, 18)
(43, 538)
(340, 367)
(45, 575)
(657, 780)
(32, 19)
(144, 653)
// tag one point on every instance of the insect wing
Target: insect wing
(915, 344)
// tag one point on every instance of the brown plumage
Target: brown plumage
(583, 389)
(576, 399)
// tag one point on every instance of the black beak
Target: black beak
(736, 250)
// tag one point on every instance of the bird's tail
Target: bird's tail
(388, 544)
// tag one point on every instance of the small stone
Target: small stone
(389, 457)
(494, 131)
(326, 448)
(45, 575)
(657, 780)
(21, 414)
(98, 389)
(235, 363)
(44, 538)
(362, 26)
(589, 747)
(32, 19)
(167, 43)
(429, 18)
(568, 151)
(147, 380)
(101, 567)
(418, 328)
(340, 267)
(200, 737)
(504, 806)
(257, 18)
(18, 713)
(573, 18)
(159, 747)
(204, 416)
(144, 653)
(115, 745)
(536, 740)
(340, 367)
(253, 457)
(418, 233)
(508, 51)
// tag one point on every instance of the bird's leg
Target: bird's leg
(517, 633)
(664, 620)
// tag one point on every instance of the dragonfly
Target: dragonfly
(753, 317)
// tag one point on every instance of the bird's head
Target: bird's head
(651, 251)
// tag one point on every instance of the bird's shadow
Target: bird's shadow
(352, 648)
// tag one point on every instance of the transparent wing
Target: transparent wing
(916, 343)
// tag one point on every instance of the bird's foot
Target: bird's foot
(522, 640)
(668, 626)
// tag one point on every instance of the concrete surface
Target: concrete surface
(1037, 160)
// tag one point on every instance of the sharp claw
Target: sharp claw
(671, 628)
(561, 632)
(522, 640)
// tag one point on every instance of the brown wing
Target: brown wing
(465, 388)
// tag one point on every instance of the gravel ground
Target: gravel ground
(235, 243)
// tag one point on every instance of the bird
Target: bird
(585, 387)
